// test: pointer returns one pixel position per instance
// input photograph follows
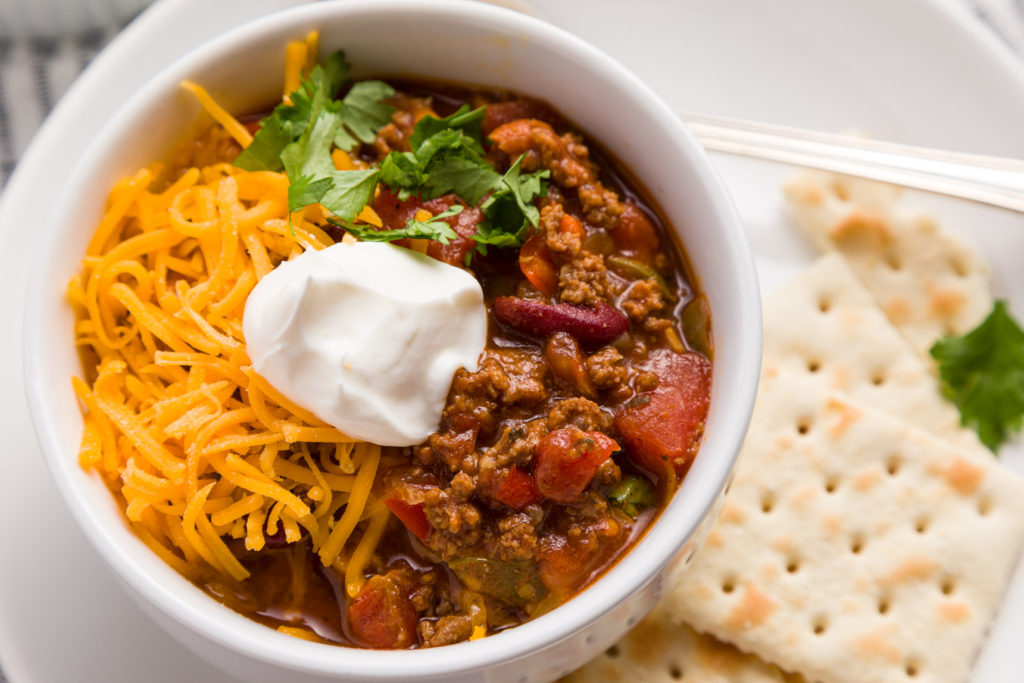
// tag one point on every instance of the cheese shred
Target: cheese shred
(207, 459)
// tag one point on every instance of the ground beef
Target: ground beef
(641, 299)
(563, 244)
(605, 368)
(580, 412)
(526, 376)
(645, 381)
(517, 538)
(600, 205)
(445, 630)
(563, 155)
(608, 474)
(456, 524)
(455, 449)
(584, 280)
(515, 445)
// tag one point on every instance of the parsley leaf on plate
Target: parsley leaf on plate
(982, 372)
(435, 228)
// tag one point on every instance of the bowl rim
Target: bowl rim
(650, 555)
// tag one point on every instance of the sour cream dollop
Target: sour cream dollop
(366, 336)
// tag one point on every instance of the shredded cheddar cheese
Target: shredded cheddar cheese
(205, 456)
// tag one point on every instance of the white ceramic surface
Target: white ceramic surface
(497, 47)
(921, 71)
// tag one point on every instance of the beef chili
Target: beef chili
(555, 455)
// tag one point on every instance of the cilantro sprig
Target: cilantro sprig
(299, 135)
(982, 372)
(447, 156)
(435, 228)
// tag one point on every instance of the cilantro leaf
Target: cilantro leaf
(509, 212)
(403, 172)
(289, 121)
(468, 176)
(447, 161)
(363, 113)
(264, 152)
(465, 121)
(982, 372)
(349, 192)
(298, 137)
(435, 228)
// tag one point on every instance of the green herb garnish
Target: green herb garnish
(509, 213)
(982, 372)
(298, 138)
(434, 228)
(447, 157)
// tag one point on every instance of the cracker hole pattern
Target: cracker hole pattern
(824, 304)
(947, 586)
(767, 502)
(984, 506)
(792, 565)
(857, 544)
(959, 267)
(813, 366)
(921, 525)
(912, 668)
(878, 378)
(612, 652)
(831, 484)
(820, 626)
(803, 426)
(675, 672)
(841, 190)
(892, 465)
(884, 604)
(728, 585)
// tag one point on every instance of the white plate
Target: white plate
(920, 71)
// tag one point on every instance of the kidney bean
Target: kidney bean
(598, 325)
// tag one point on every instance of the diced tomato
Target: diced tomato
(395, 213)
(412, 516)
(567, 459)
(567, 561)
(636, 234)
(537, 265)
(662, 428)
(516, 489)
(381, 616)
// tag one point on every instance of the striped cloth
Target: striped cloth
(35, 72)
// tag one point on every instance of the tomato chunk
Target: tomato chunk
(567, 459)
(537, 265)
(636, 234)
(412, 516)
(516, 489)
(381, 616)
(567, 561)
(662, 428)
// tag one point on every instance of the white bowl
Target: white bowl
(459, 41)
